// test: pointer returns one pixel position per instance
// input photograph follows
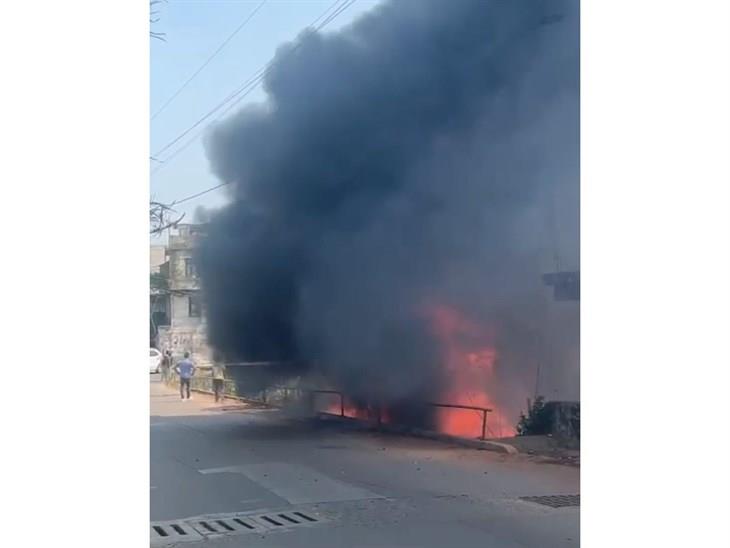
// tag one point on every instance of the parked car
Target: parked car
(155, 360)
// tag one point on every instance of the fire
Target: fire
(347, 409)
(469, 355)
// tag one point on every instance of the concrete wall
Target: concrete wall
(178, 278)
(157, 257)
(564, 419)
(180, 340)
(179, 313)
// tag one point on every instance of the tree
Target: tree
(158, 282)
(162, 217)
(159, 289)
(154, 19)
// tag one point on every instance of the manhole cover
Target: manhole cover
(225, 526)
(555, 501)
(170, 532)
(244, 523)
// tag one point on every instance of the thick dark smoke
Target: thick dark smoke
(408, 161)
(202, 214)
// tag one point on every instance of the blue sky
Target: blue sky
(194, 30)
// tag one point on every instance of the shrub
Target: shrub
(537, 421)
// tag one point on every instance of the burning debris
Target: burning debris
(387, 213)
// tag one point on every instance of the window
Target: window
(194, 306)
(190, 271)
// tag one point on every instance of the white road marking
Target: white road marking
(223, 470)
(295, 483)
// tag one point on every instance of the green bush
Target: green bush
(537, 421)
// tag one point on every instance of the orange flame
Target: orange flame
(350, 410)
(468, 356)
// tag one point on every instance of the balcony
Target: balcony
(177, 243)
(185, 284)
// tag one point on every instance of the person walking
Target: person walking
(186, 369)
(166, 365)
(218, 377)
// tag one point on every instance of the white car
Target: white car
(155, 360)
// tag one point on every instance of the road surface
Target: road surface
(364, 489)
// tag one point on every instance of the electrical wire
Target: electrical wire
(254, 80)
(209, 59)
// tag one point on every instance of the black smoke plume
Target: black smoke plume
(407, 161)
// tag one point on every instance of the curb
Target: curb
(485, 445)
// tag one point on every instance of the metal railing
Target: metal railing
(287, 390)
(482, 410)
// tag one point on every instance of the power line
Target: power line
(195, 137)
(336, 13)
(251, 85)
(193, 196)
(253, 81)
(207, 61)
(270, 65)
(216, 187)
(324, 12)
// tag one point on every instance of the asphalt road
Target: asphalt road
(362, 488)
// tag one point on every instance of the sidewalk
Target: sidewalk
(166, 400)
(546, 449)
(542, 449)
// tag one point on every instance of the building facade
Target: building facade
(159, 298)
(158, 257)
(186, 331)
